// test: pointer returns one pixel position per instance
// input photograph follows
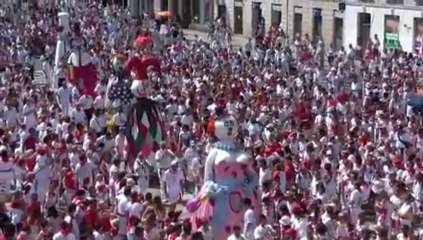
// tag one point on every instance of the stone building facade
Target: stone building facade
(312, 17)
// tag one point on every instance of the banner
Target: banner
(391, 40)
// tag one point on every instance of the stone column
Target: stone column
(171, 7)
(134, 6)
(202, 13)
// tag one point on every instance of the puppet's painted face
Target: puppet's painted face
(226, 127)
(140, 88)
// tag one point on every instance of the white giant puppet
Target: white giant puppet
(228, 180)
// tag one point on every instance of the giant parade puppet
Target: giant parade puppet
(144, 127)
(228, 180)
(82, 72)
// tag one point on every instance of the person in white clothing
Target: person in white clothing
(135, 207)
(87, 104)
(142, 170)
(29, 113)
(100, 101)
(65, 232)
(249, 220)
(11, 116)
(122, 210)
(120, 141)
(236, 235)
(95, 124)
(78, 115)
(64, 98)
(84, 172)
(164, 158)
(172, 182)
(119, 119)
(42, 174)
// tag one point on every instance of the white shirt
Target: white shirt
(233, 237)
(64, 96)
(95, 124)
(99, 102)
(11, 116)
(99, 88)
(262, 233)
(29, 115)
(300, 225)
(163, 159)
(249, 220)
(122, 205)
(41, 169)
(134, 209)
(187, 120)
(84, 171)
(60, 236)
(86, 102)
(78, 116)
(120, 143)
(264, 175)
(119, 119)
(173, 180)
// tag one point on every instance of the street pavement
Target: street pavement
(180, 207)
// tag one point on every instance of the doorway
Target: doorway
(364, 25)
(276, 15)
(186, 13)
(221, 13)
(298, 24)
(418, 35)
(317, 23)
(256, 24)
(238, 20)
(338, 32)
(164, 5)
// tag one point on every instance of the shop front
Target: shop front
(391, 35)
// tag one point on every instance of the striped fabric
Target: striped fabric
(145, 128)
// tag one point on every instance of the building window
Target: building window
(196, 11)
(164, 5)
(418, 34)
(276, 14)
(391, 31)
(364, 27)
(209, 8)
(298, 23)
(317, 23)
(395, 1)
(419, 2)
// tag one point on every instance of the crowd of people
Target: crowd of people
(337, 149)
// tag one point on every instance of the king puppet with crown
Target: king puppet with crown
(82, 72)
(145, 129)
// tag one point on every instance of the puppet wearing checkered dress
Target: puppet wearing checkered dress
(144, 128)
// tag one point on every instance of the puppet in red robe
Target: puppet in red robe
(82, 72)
